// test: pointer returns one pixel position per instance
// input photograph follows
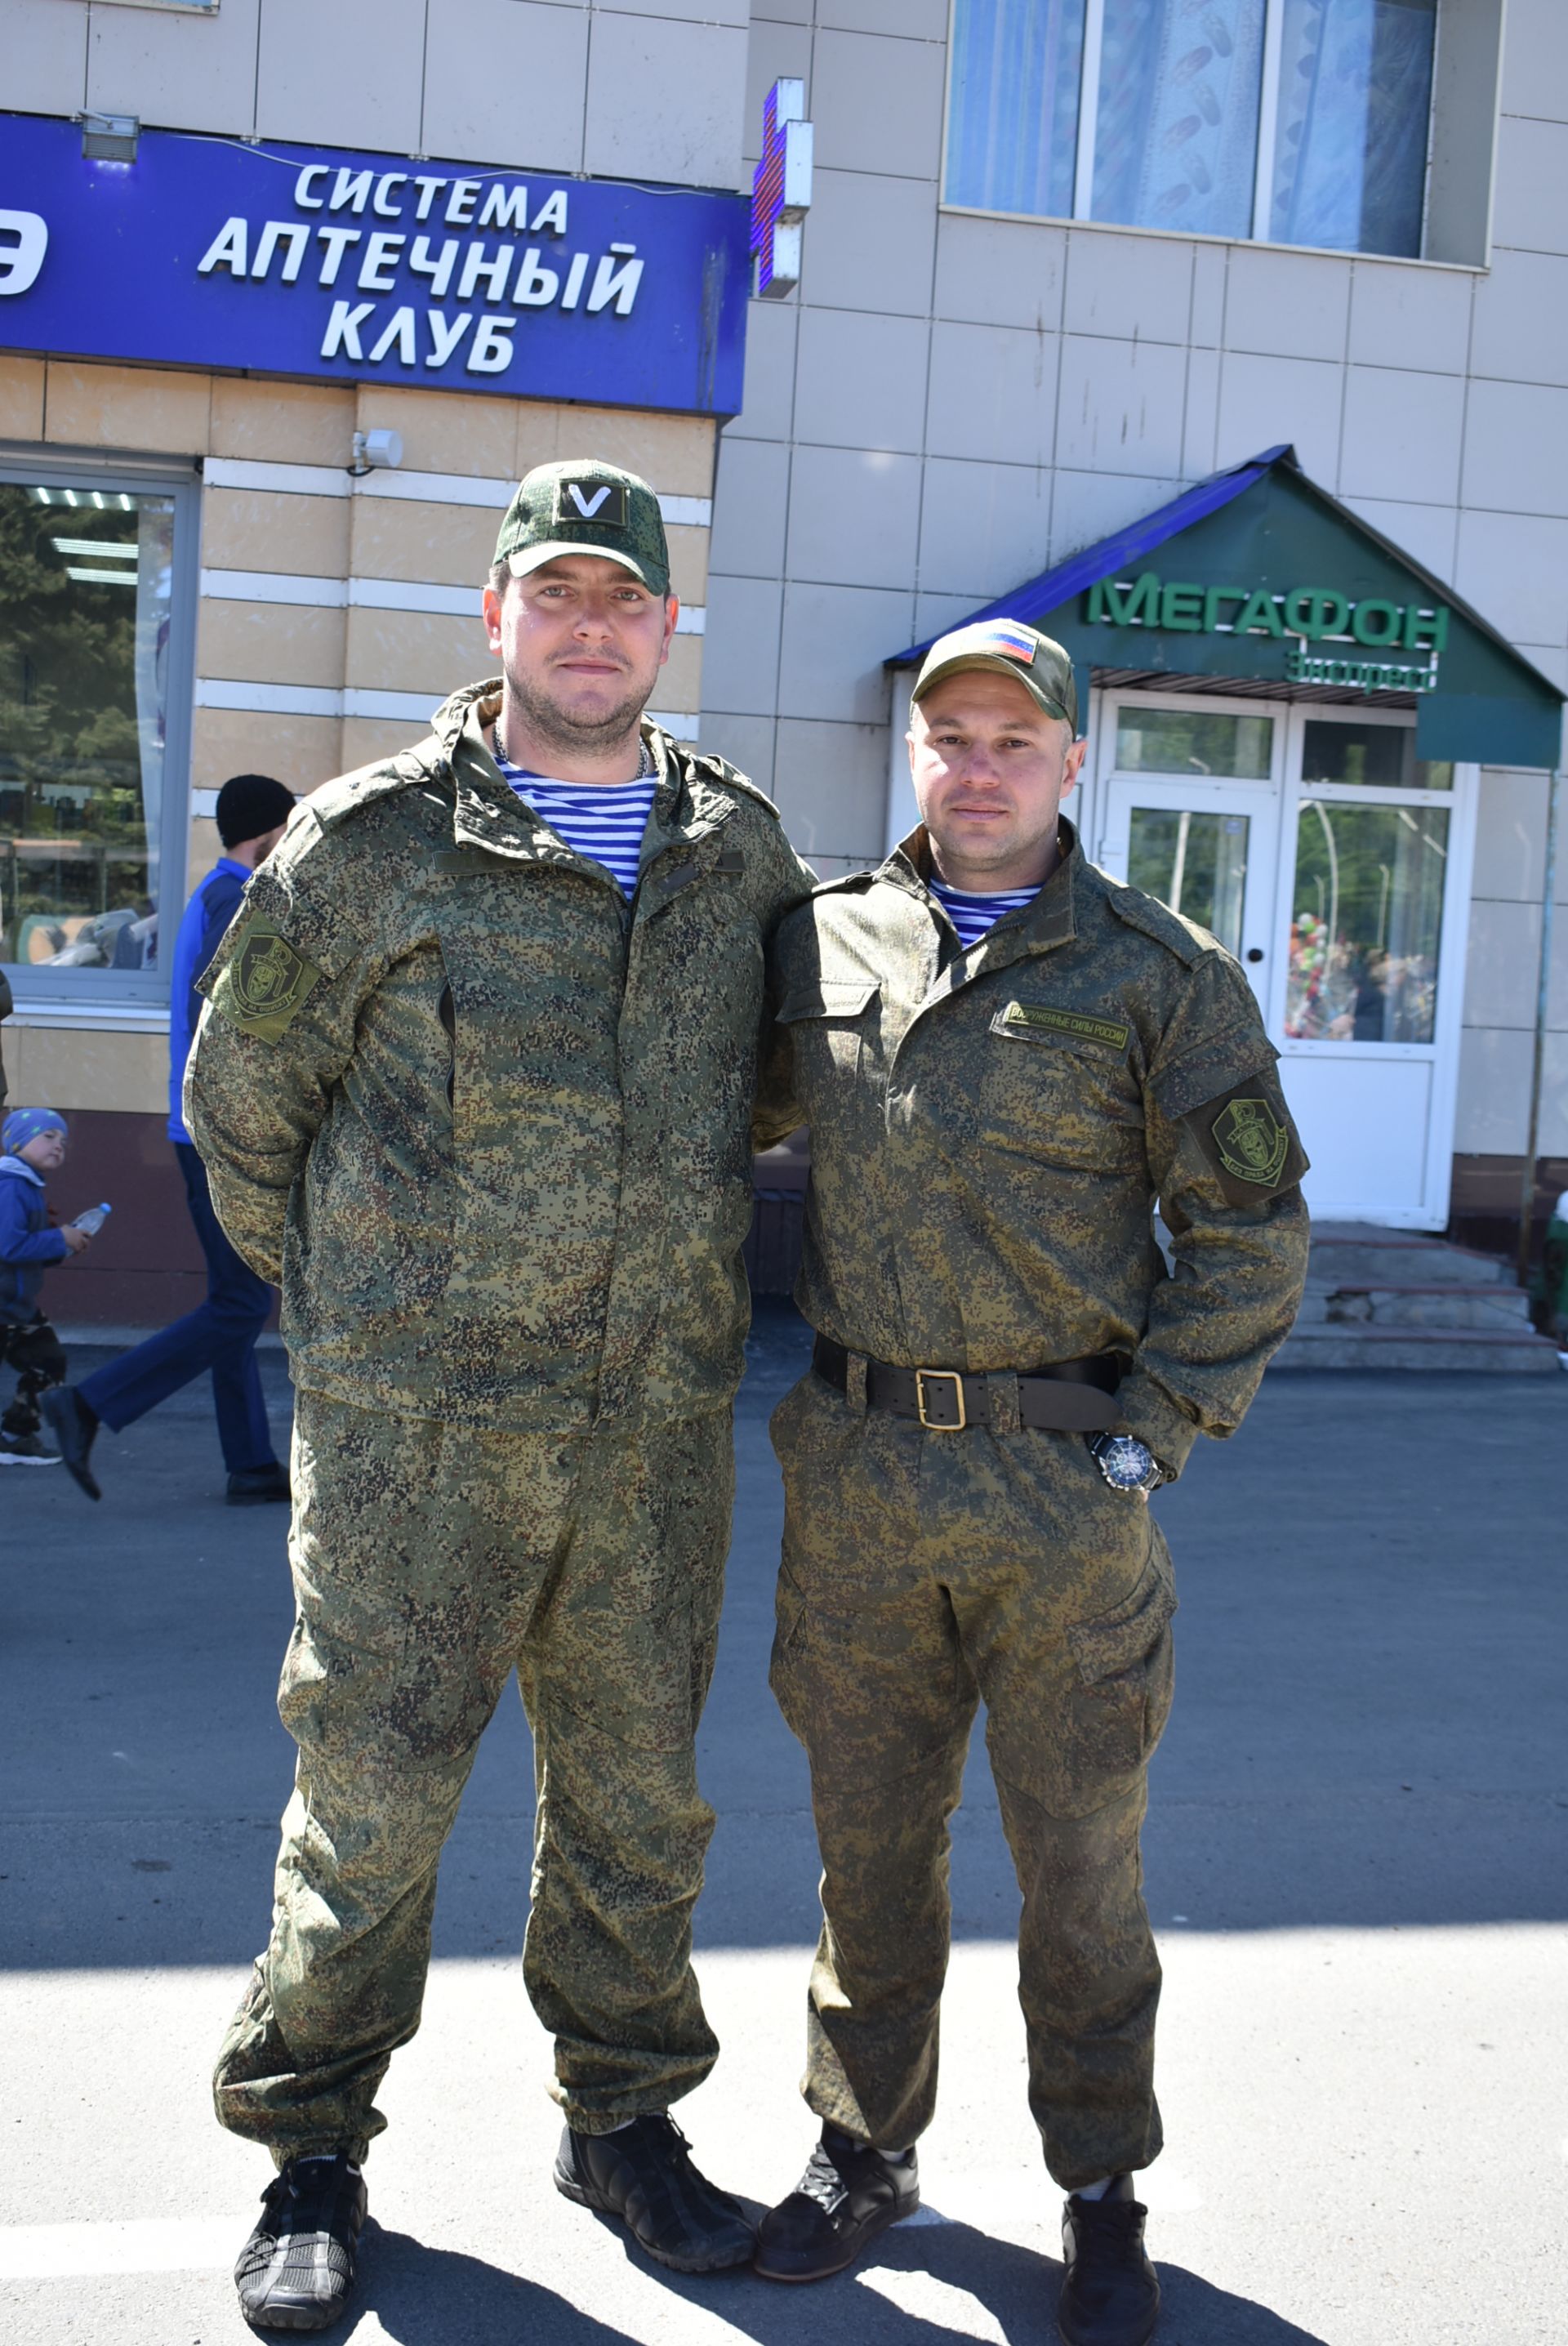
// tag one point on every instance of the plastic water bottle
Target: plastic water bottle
(92, 1220)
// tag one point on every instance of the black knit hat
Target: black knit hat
(250, 804)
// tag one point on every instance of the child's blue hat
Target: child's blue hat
(25, 1124)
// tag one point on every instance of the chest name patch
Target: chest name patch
(1109, 1031)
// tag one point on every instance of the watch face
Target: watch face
(1126, 1462)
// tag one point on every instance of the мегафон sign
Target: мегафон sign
(299, 261)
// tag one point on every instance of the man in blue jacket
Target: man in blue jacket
(220, 1334)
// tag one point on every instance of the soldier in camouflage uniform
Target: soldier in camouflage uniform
(484, 1113)
(1002, 1371)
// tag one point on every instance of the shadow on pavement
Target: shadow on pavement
(434, 2297)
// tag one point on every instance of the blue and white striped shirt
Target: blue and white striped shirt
(972, 915)
(605, 820)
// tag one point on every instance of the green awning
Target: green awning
(1257, 581)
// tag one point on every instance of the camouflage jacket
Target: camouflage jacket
(990, 1131)
(486, 1122)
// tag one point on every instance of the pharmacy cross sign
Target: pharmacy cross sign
(781, 190)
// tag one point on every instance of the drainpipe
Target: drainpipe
(1538, 1065)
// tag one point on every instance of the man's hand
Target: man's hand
(77, 1240)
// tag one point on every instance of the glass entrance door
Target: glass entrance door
(1336, 866)
(1190, 814)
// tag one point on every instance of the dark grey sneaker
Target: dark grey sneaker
(257, 1486)
(848, 2193)
(74, 1427)
(25, 1450)
(296, 2271)
(643, 2174)
(1110, 2294)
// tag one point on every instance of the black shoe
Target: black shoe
(297, 2270)
(848, 2193)
(73, 1425)
(642, 2173)
(1111, 2296)
(257, 1486)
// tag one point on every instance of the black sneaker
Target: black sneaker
(297, 2268)
(257, 1486)
(73, 1425)
(1111, 2296)
(848, 2193)
(643, 2174)
(25, 1450)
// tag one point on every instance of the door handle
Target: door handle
(1255, 953)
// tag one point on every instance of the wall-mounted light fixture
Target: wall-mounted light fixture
(110, 137)
(375, 451)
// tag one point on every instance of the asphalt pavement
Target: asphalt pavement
(1356, 1861)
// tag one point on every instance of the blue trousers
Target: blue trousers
(219, 1336)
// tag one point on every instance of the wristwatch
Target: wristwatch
(1126, 1464)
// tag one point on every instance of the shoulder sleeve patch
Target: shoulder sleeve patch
(1249, 1138)
(266, 980)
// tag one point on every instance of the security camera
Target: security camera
(375, 451)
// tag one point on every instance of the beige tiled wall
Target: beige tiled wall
(311, 647)
(76, 1067)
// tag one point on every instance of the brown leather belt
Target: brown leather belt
(1067, 1397)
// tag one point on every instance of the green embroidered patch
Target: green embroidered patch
(1252, 1142)
(266, 980)
(1109, 1031)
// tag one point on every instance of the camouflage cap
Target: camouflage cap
(585, 506)
(1007, 648)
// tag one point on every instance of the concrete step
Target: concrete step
(1472, 1351)
(1388, 1261)
(1503, 1310)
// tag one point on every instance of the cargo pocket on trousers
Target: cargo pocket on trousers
(1126, 1674)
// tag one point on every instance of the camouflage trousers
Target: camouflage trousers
(922, 1572)
(429, 1562)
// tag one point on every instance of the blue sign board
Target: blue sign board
(303, 260)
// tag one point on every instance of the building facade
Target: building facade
(1067, 261)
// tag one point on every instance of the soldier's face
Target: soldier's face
(991, 771)
(581, 642)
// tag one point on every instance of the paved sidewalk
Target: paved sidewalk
(1356, 1863)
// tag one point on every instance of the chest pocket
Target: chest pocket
(831, 1023)
(1050, 1091)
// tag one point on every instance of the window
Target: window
(1301, 121)
(1372, 823)
(96, 591)
(1193, 741)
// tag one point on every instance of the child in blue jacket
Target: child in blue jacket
(32, 1143)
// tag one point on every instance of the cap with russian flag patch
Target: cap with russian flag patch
(1006, 648)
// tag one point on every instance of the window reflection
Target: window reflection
(1193, 741)
(1176, 137)
(84, 605)
(1350, 145)
(1365, 923)
(1195, 863)
(1012, 128)
(1383, 756)
(1179, 110)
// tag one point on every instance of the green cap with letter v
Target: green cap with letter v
(584, 507)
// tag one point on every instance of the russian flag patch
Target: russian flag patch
(1007, 636)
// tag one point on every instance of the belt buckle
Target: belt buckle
(941, 1424)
